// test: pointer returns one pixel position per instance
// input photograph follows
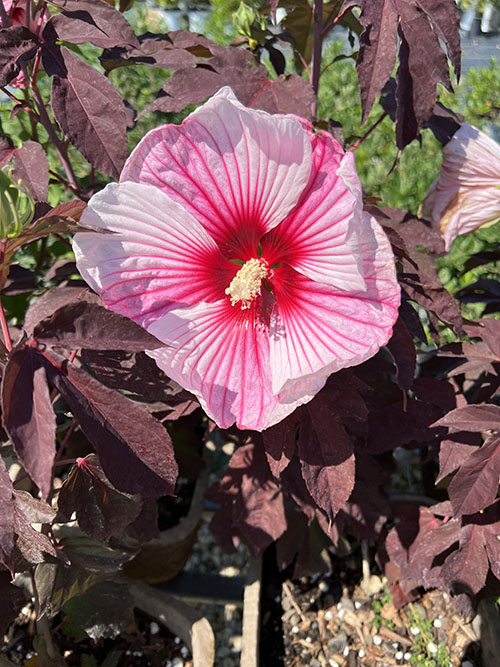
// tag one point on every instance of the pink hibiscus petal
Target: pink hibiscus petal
(466, 196)
(238, 171)
(317, 329)
(156, 257)
(320, 237)
(221, 354)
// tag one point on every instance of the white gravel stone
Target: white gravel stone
(437, 623)
(345, 652)
(154, 628)
(377, 640)
(329, 615)
(399, 655)
(432, 648)
(407, 655)
(361, 653)
(414, 630)
(333, 663)
(358, 604)
(294, 630)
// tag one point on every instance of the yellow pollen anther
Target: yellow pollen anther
(245, 286)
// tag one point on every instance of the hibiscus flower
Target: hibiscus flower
(466, 195)
(239, 241)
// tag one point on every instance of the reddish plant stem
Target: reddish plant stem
(317, 50)
(368, 132)
(9, 94)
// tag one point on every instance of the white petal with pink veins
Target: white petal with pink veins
(317, 330)
(320, 238)
(238, 171)
(153, 257)
(221, 354)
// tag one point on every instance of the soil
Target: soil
(337, 620)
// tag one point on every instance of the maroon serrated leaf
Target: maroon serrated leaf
(50, 301)
(101, 510)
(377, 50)
(28, 416)
(32, 543)
(465, 570)
(32, 167)
(472, 418)
(80, 324)
(475, 485)
(13, 599)
(6, 516)
(16, 43)
(34, 509)
(135, 450)
(93, 21)
(436, 392)
(286, 94)
(90, 111)
(403, 352)
(445, 16)
(326, 456)
(455, 451)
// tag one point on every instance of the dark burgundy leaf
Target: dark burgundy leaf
(32, 167)
(20, 281)
(279, 443)
(326, 455)
(377, 50)
(145, 527)
(90, 111)
(6, 516)
(480, 259)
(50, 301)
(6, 148)
(32, 543)
(489, 331)
(103, 611)
(475, 485)
(140, 374)
(444, 15)
(93, 557)
(252, 507)
(13, 599)
(444, 122)
(286, 94)
(171, 51)
(403, 352)
(465, 570)
(28, 416)
(135, 450)
(436, 392)
(33, 509)
(80, 324)
(472, 418)
(16, 44)
(101, 510)
(455, 451)
(93, 21)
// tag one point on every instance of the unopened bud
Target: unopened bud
(16, 205)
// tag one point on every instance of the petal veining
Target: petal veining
(154, 257)
(320, 237)
(221, 354)
(238, 171)
(317, 329)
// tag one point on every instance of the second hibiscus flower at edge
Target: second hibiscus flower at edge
(240, 241)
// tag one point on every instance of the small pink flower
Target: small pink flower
(240, 242)
(467, 192)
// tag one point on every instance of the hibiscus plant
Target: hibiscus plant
(211, 265)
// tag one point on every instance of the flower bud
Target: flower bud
(16, 206)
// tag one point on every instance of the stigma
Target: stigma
(246, 284)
